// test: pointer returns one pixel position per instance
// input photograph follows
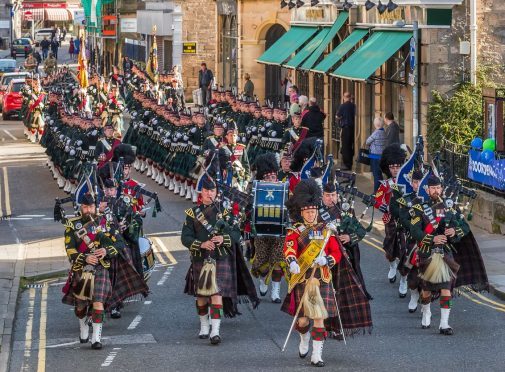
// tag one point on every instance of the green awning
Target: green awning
(372, 54)
(340, 51)
(287, 45)
(312, 60)
(307, 50)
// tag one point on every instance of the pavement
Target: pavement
(31, 247)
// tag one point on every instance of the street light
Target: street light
(346, 5)
(381, 7)
(369, 5)
(284, 4)
(391, 6)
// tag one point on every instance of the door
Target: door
(273, 74)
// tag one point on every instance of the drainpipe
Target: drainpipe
(473, 41)
(416, 129)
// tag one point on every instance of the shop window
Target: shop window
(229, 51)
(319, 88)
(302, 82)
(336, 99)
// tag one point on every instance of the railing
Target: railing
(454, 159)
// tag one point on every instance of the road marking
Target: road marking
(29, 329)
(165, 250)
(484, 298)
(10, 134)
(48, 218)
(32, 215)
(68, 342)
(63, 344)
(148, 302)
(373, 245)
(110, 358)
(21, 218)
(42, 332)
(135, 322)
(166, 233)
(7, 194)
(482, 303)
(1, 210)
(165, 276)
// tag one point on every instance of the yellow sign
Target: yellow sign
(189, 48)
(314, 14)
(395, 15)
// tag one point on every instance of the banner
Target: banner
(488, 172)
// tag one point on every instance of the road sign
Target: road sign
(28, 16)
(412, 58)
(189, 48)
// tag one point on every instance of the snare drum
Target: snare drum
(270, 215)
(147, 254)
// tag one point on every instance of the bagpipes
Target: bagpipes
(139, 190)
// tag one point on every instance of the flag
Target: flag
(328, 169)
(82, 73)
(404, 178)
(84, 187)
(152, 62)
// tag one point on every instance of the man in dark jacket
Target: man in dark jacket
(44, 45)
(392, 129)
(345, 115)
(313, 120)
(205, 78)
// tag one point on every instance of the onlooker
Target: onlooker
(287, 84)
(71, 48)
(30, 63)
(295, 107)
(38, 58)
(205, 78)
(50, 64)
(54, 47)
(44, 45)
(127, 65)
(313, 120)
(376, 143)
(345, 117)
(64, 33)
(392, 129)
(77, 46)
(57, 34)
(303, 102)
(248, 87)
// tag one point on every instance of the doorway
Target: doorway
(273, 74)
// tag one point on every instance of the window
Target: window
(319, 89)
(302, 82)
(16, 87)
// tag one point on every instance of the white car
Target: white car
(41, 32)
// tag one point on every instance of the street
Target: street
(160, 333)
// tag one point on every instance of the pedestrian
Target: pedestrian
(248, 87)
(44, 45)
(57, 34)
(64, 33)
(71, 48)
(294, 108)
(50, 64)
(313, 120)
(205, 78)
(286, 83)
(127, 65)
(30, 63)
(376, 143)
(303, 102)
(345, 116)
(54, 47)
(392, 129)
(77, 46)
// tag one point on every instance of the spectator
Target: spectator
(127, 65)
(303, 102)
(30, 63)
(345, 117)
(313, 120)
(44, 45)
(295, 107)
(392, 129)
(287, 84)
(64, 33)
(54, 47)
(50, 64)
(71, 48)
(376, 143)
(77, 46)
(38, 58)
(205, 78)
(248, 87)
(57, 34)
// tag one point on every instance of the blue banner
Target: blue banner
(487, 172)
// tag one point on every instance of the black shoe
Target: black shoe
(96, 346)
(115, 313)
(446, 331)
(425, 327)
(369, 297)
(402, 295)
(413, 310)
(303, 355)
(277, 301)
(392, 280)
(215, 340)
(318, 364)
(84, 340)
(203, 337)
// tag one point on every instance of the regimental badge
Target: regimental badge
(270, 195)
(316, 235)
(78, 226)
(412, 212)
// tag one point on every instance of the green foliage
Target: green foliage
(458, 118)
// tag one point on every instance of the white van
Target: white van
(40, 33)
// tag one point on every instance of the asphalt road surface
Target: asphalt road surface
(160, 333)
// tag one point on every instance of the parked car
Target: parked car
(41, 32)
(21, 47)
(6, 79)
(7, 65)
(13, 99)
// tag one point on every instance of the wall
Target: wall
(199, 25)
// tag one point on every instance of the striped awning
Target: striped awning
(56, 15)
(36, 14)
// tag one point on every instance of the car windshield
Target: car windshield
(7, 65)
(7, 79)
(16, 87)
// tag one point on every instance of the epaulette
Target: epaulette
(402, 201)
(189, 212)
(418, 207)
(70, 222)
(394, 186)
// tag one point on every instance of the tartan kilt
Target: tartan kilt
(394, 241)
(292, 300)
(472, 271)
(101, 293)
(224, 277)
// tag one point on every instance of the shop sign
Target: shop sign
(43, 5)
(314, 14)
(395, 15)
(79, 17)
(128, 24)
(189, 47)
(488, 172)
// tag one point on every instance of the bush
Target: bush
(457, 119)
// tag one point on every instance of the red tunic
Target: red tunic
(137, 203)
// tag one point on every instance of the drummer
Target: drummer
(268, 264)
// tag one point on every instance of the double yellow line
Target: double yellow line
(467, 292)
(7, 199)
(41, 354)
(163, 252)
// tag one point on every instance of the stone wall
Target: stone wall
(198, 25)
(489, 213)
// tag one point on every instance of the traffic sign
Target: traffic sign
(412, 58)
(28, 16)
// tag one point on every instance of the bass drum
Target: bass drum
(270, 216)
(147, 254)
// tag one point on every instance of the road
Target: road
(160, 333)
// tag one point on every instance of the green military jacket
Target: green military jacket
(347, 223)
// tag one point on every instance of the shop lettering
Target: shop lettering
(314, 14)
(393, 16)
(484, 169)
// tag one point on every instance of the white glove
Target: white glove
(321, 261)
(294, 268)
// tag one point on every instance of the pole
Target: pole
(33, 28)
(415, 88)
(473, 41)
